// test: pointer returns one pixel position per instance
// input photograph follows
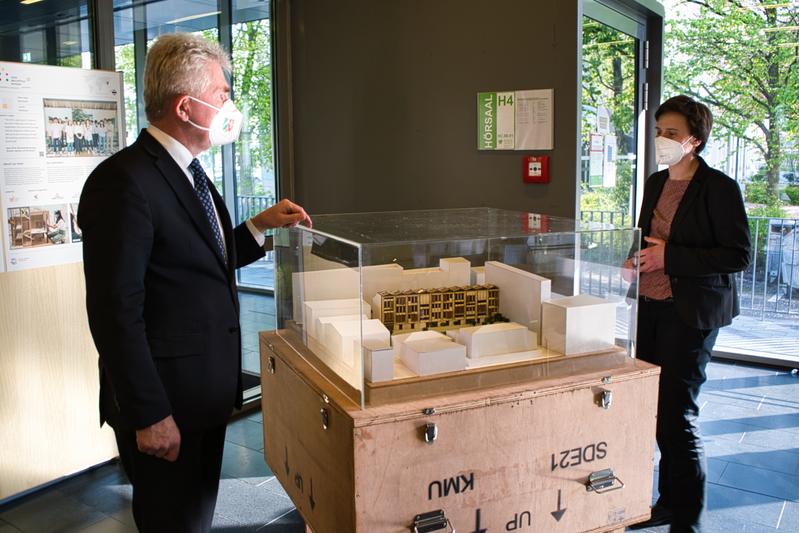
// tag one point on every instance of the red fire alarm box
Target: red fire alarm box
(535, 169)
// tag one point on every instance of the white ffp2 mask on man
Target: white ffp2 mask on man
(225, 126)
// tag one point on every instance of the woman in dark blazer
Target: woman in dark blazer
(696, 236)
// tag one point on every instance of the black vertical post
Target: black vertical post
(51, 44)
(139, 53)
(228, 155)
(101, 19)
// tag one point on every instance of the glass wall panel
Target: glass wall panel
(252, 90)
(608, 126)
(48, 33)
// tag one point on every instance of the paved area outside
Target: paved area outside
(777, 337)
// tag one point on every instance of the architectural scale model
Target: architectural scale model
(404, 312)
(436, 309)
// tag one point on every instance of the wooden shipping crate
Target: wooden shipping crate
(516, 457)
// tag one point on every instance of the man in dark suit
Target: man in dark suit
(159, 257)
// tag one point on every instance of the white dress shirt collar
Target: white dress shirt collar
(183, 158)
(179, 153)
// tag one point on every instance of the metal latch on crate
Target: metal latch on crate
(430, 433)
(606, 399)
(603, 481)
(432, 521)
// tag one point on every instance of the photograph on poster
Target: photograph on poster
(75, 128)
(37, 226)
(77, 234)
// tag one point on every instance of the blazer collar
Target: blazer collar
(185, 194)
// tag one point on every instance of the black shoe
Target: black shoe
(661, 516)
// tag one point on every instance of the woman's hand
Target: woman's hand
(650, 258)
(627, 272)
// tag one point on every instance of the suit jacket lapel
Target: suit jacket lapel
(227, 227)
(184, 192)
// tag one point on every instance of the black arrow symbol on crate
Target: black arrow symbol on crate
(286, 462)
(558, 514)
(477, 528)
(313, 502)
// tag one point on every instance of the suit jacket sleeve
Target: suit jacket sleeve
(117, 240)
(730, 251)
(247, 249)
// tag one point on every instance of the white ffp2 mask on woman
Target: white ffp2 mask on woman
(668, 151)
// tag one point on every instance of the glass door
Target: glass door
(611, 94)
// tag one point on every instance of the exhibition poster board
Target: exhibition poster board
(56, 125)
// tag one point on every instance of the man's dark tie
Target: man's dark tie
(201, 188)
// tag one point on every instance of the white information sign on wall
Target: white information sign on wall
(56, 125)
(515, 120)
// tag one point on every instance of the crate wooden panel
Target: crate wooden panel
(502, 459)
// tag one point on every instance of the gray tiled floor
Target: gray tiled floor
(250, 498)
(750, 419)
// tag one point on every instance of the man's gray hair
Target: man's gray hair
(176, 65)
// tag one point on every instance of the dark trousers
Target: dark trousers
(682, 352)
(177, 497)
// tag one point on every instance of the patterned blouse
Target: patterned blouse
(657, 285)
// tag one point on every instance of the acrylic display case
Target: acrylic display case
(390, 306)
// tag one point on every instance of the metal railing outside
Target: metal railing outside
(616, 218)
(768, 288)
(249, 206)
(260, 274)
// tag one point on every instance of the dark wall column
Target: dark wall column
(378, 101)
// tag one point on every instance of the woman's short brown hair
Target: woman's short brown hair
(699, 117)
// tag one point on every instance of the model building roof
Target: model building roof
(411, 292)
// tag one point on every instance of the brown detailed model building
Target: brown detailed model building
(436, 309)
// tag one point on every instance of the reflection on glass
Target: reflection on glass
(608, 126)
(47, 33)
(252, 89)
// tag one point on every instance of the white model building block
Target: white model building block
(496, 339)
(323, 322)
(323, 308)
(478, 276)
(451, 272)
(343, 339)
(520, 293)
(378, 363)
(397, 341)
(378, 278)
(330, 284)
(433, 356)
(578, 324)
